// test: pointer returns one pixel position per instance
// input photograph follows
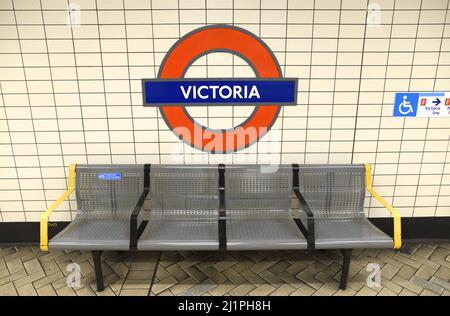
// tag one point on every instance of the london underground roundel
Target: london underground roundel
(171, 92)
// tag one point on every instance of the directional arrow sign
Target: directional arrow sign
(422, 104)
(437, 101)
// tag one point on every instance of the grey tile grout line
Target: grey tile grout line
(208, 154)
(291, 129)
(103, 83)
(54, 100)
(215, 9)
(215, 65)
(129, 82)
(442, 178)
(317, 153)
(236, 9)
(243, 23)
(381, 109)
(83, 130)
(155, 76)
(31, 116)
(281, 113)
(14, 158)
(71, 202)
(245, 66)
(428, 119)
(137, 92)
(308, 102)
(428, 122)
(404, 118)
(335, 81)
(152, 281)
(448, 142)
(358, 98)
(144, 118)
(179, 37)
(319, 51)
(233, 65)
(176, 38)
(266, 141)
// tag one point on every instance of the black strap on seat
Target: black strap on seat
(222, 210)
(309, 231)
(135, 233)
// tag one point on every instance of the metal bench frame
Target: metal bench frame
(306, 225)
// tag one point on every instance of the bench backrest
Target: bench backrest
(334, 191)
(108, 190)
(178, 189)
(264, 189)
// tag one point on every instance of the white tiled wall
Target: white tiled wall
(73, 93)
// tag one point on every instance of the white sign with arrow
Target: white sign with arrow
(422, 104)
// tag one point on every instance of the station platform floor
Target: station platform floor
(420, 269)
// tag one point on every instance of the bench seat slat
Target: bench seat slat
(182, 234)
(93, 234)
(264, 234)
(349, 234)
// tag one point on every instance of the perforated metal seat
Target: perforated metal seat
(184, 211)
(94, 234)
(104, 207)
(336, 195)
(349, 234)
(259, 208)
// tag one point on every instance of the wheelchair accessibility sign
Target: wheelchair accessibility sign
(171, 92)
(422, 104)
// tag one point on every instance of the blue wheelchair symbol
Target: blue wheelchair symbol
(406, 104)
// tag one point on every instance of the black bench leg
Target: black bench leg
(347, 253)
(96, 255)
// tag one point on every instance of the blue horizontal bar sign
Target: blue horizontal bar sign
(110, 176)
(162, 92)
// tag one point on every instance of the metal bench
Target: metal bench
(218, 207)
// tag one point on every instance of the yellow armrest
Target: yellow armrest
(390, 208)
(46, 214)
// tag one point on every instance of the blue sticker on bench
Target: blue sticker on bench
(110, 176)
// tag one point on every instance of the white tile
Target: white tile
(324, 118)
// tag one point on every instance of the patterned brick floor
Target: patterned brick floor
(423, 270)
